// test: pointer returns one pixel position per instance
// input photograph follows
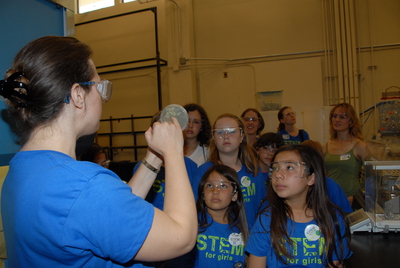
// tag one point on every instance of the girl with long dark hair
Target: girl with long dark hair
(222, 220)
(300, 226)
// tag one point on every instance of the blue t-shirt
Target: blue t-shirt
(219, 246)
(287, 139)
(157, 191)
(307, 249)
(253, 189)
(59, 212)
(337, 195)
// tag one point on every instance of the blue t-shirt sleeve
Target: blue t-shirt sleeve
(259, 240)
(108, 220)
(191, 168)
(337, 195)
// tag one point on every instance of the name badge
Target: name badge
(344, 157)
(312, 232)
(286, 136)
(245, 181)
(235, 239)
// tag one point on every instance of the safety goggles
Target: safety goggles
(226, 132)
(289, 114)
(295, 169)
(270, 148)
(105, 164)
(248, 119)
(220, 186)
(340, 116)
(104, 87)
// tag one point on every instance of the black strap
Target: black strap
(301, 133)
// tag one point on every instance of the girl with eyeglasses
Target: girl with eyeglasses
(223, 229)
(346, 151)
(287, 129)
(96, 154)
(300, 226)
(59, 212)
(230, 148)
(197, 134)
(253, 124)
(266, 147)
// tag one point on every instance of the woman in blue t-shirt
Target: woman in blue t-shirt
(60, 212)
(287, 129)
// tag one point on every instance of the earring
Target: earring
(233, 199)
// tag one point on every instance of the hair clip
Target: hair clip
(8, 86)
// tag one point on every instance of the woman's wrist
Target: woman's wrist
(150, 166)
(154, 159)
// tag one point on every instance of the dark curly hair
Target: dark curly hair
(204, 136)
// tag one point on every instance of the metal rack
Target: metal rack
(155, 61)
(135, 145)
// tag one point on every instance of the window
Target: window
(90, 5)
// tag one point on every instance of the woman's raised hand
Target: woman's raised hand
(165, 138)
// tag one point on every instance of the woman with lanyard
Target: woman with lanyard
(287, 129)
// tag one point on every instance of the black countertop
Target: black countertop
(374, 250)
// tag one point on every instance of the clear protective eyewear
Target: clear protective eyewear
(105, 164)
(340, 116)
(289, 114)
(248, 119)
(221, 186)
(104, 87)
(287, 168)
(270, 149)
(225, 132)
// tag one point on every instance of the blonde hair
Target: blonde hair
(355, 126)
(247, 154)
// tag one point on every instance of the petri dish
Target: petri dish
(177, 111)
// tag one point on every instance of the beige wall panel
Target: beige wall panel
(132, 95)
(231, 94)
(378, 22)
(121, 39)
(300, 80)
(235, 29)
